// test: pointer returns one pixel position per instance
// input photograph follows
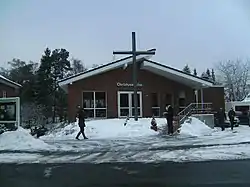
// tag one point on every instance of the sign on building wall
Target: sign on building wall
(10, 111)
(119, 84)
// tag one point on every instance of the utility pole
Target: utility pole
(135, 72)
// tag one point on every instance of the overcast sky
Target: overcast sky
(195, 32)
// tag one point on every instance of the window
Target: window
(4, 94)
(182, 100)
(155, 105)
(95, 105)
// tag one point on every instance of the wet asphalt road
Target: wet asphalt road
(212, 173)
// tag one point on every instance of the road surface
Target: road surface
(212, 173)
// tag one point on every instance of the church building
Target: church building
(107, 91)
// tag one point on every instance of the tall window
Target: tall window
(95, 105)
(155, 105)
(182, 101)
(4, 93)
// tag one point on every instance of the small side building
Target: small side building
(9, 88)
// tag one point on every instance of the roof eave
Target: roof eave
(201, 82)
(101, 69)
(11, 83)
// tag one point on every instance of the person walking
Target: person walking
(221, 118)
(81, 122)
(170, 117)
(231, 115)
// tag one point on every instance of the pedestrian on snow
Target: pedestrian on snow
(231, 115)
(81, 122)
(221, 118)
(170, 117)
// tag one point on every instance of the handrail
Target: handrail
(182, 115)
(185, 109)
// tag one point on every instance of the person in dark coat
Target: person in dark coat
(221, 118)
(170, 117)
(81, 122)
(231, 115)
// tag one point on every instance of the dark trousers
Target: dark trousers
(232, 124)
(170, 126)
(81, 132)
(222, 125)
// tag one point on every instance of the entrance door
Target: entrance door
(126, 104)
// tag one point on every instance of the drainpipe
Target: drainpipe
(196, 95)
(202, 101)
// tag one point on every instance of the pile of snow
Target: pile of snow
(21, 139)
(195, 127)
(109, 128)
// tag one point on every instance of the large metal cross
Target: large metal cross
(135, 53)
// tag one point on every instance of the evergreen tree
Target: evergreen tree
(195, 72)
(208, 74)
(60, 67)
(44, 83)
(24, 74)
(204, 75)
(186, 69)
(54, 66)
(213, 76)
(4, 72)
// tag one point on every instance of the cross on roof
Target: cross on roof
(135, 53)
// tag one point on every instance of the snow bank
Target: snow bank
(21, 140)
(109, 128)
(195, 127)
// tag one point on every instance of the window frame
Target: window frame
(129, 107)
(158, 103)
(4, 94)
(96, 108)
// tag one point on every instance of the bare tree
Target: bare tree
(77, 66)
(234, 75)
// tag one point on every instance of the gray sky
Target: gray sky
(195, 32)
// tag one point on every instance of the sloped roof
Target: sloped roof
(9, 82)
(175, 74)
(100, 69)
(147, 64)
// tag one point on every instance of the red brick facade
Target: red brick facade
(10, 91)
(151, 83)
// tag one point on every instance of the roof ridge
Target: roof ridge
(98, 67)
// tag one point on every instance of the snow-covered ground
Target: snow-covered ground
(22, 140)
(108, 129)
(109, 140)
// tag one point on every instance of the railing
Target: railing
(193, 108)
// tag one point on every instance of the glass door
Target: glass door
(138, 104)
(126, 104)
(123, 107)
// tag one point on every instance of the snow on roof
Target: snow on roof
(100, 69)
(158, 68)
(10, 81)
